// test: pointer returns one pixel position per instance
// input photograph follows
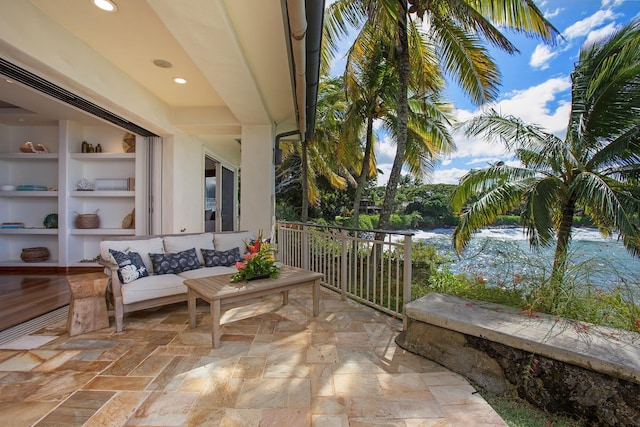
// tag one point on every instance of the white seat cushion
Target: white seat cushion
(151, 287)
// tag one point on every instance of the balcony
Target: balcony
(277, 364)
(367, 266)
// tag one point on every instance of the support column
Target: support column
(257, 179)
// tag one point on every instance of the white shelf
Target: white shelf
(29, 156)
(103, 156)
(103, 231)
(28, 194)
(85, 264)
(34, 231)
(102, 193)
(20, 263)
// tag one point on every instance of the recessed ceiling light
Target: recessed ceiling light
(162, 63)
(106, 5)
(180, 80)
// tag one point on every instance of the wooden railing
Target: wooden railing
(376, 272)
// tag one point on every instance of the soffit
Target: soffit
(234, 54)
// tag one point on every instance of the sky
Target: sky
(535, 85)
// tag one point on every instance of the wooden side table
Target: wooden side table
(88, 307)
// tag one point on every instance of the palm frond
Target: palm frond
(607, 78)
(485, 210)
(478, 181)
(610, 208)
(624, 150)
(517, 15)
(508, 130)
(542, 202)
(466, 60)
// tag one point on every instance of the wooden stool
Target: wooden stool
(88, 307)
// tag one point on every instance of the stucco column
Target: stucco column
(257, 179)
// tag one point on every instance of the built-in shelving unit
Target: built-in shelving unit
(44, 231)
(60, 171)
(106, 193)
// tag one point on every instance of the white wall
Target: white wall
(257, 179)
(46, 49)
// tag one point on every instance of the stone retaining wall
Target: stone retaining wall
(559, 365)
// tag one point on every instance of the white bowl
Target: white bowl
(8, 187)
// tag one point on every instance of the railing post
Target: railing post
(406, 294)
(305, 247)
(343, 266)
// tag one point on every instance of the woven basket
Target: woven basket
(87, 220)
(38, 254)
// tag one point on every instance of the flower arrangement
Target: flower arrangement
(259, 262)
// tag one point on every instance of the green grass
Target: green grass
(519, 413)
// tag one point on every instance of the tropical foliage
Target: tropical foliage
(595, 168)
(456, 30)
(324, 155)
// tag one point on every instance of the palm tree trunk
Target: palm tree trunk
(401, 143)
(364, 173)
(562, 245)
(304, 181)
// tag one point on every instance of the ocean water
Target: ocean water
(502, 256)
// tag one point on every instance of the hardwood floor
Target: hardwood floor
(26, 296)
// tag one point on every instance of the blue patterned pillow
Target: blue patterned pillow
(213, 258)
(130, 266)
(175, 262)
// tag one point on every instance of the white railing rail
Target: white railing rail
(376, 272)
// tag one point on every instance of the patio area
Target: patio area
(277, 366)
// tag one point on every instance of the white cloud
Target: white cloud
(610, 3)
(585, 26)
(385, 150)
(541, 56)
(601, 33)
(552, 14)
(384, 176)
(448, 176)
(484, 161)
(531, 105)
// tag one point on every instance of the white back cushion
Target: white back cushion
(143, 247)
(226, 241)
(183, 243)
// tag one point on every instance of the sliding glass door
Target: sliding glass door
(220, 198)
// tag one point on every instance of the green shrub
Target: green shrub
(576, 298)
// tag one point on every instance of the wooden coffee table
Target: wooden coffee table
(217, 290)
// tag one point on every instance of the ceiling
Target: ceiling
(235, 55)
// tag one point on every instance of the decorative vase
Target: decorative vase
(51, 221)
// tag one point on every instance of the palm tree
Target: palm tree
(595, 168)
(324, 154)
(456, 28)
(371, 82)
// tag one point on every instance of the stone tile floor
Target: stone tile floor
(277, 366)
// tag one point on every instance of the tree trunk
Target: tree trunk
(401, 143)
(562, 246)
(364, 173)
(304, 182)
